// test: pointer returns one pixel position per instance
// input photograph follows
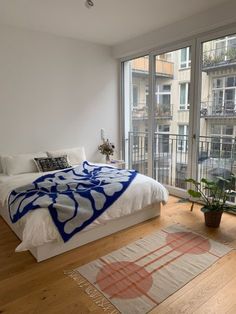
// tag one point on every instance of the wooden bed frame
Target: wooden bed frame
(49, 250)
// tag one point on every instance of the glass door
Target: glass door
(172, 79)
(136, 113)
(157, 103)
(217, 147)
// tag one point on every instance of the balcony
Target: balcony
(164, 68)
(218, 58)
(216, 157)
(161, 112)
(164, 111)
(140, 113)
(212, 110)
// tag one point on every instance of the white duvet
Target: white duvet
(38, 227)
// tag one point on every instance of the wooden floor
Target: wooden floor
(28, 287)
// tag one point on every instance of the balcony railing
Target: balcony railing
(163, 67)
(217, 157)
(163, 111)
(160, 112)
(219, 57)
(210, 109)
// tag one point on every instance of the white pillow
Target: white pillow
(18, 164)
(75, 155)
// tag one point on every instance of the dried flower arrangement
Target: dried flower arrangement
(107, 148)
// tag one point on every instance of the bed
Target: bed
(38, 234)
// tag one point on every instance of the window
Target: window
(225, 48)
(163, 138)
(224, 95)
(183, 138)
(185, 58)
(163, 94)
(163, 100)
(136, 89)
(135, 95)
(184, 96)
(164, 128)
(146, 93)
(221, 140)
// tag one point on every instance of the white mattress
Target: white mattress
(38, 227)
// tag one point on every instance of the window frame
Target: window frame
(183, 145)
(186, 105)
(183, 65)
(195, 42)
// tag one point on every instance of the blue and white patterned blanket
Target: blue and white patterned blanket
(75, 197)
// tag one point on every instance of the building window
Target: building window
(135, 95)
(225, 47)
(185, 58)
(163, 99)
(184, 96)
(163, 138)
(221, 140)
(182, 144)
(163, 94)
(147, 94)
(224, 95)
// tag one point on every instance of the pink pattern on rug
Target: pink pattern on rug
(127, 280)
(116, 277)
(177, 240)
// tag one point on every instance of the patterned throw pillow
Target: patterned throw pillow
(52, 163)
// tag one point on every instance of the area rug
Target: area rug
(139, 276)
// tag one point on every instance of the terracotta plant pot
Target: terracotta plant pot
(213, 218)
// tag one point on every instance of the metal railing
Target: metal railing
(216, 156)
(219, 57)
(211, 109)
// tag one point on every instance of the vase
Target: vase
(107, 158)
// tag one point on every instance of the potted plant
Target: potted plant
(214, 195)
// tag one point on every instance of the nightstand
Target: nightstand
(117, 163)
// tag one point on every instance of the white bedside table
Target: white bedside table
(117, 163)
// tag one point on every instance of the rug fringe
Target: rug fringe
(96, 296)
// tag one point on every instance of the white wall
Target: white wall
(207, 21)
(55, 92)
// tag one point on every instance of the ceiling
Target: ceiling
(108, 22)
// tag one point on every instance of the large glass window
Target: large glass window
(170, 145)
(218, 109)
(136, 90)
(157, 133)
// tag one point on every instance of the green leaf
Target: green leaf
(194, 193)
(203, 180)
(190, 180)
(223, 179)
